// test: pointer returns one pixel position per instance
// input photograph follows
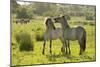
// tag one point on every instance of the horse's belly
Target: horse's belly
(55, 36)
(70, 35)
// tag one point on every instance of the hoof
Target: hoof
(80, 53)
(69, 53)
(63, 50)
(43, 53)
(50, 52)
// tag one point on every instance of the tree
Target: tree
(14, 6)
(23, 13)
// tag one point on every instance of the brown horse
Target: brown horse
(51, 33)
(74, 33)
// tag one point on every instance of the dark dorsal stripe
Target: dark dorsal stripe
(66, 23)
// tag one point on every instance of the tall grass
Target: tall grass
(25, 41)
(39, 36)
(36, 27)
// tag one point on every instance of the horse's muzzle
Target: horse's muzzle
(55, 19)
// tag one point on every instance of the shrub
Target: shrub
(68, 17)
(85, 23)
(91, 23)
(25, 41)
(89, 18)
(39, 36)
(24, 13)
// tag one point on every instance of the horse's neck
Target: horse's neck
(65, 25)
(53, 27)
(49, 29)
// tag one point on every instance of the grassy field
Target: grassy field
(37, 26)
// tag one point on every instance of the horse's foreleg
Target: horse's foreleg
(68, 46)
(63, 46)
(50, 46)
(44, 47)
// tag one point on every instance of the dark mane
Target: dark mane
(49, 20)
(64, 18)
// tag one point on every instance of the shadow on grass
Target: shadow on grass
(54, 57)
(70, 58)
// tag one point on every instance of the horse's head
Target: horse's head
(59, 19)
(49, 23)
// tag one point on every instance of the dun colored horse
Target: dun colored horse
(72, 33)
(51, 33)
(22, 21)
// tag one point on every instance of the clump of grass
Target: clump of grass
(39, 36)
(68, 17)
(25, 41)
(91, 23)
(85, 23)
(89, 18)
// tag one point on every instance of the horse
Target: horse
(18, 21)
(51, 33)
(72, 33)
(26, 21)
(22, 21)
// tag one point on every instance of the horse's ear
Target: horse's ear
(63, 16)
(46, 20)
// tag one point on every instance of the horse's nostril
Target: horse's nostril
(56, 21)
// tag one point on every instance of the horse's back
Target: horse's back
(74, 33)
(80, 28)
(57, 33)
(53, 34)
(81, 31)
(70, 34)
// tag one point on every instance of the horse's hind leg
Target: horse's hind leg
(81, 49)
(66, 46)
(44, 47)
(63, 46)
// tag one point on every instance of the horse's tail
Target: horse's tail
(84, 40)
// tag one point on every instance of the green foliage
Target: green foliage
(14, 6)
(89, 18)
(85, 23)
(23, 13)
(39, 8)
(51, 9)
(91, 23)
(68, 17)
(36, 27)
(39, 36)
(24, 39)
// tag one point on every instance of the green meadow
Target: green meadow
(36, 28)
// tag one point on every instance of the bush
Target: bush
(24, 39)
(24, 13)
(39, 36)
(68, 17)
(89, 18)
(91, 23)
(85, 23)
